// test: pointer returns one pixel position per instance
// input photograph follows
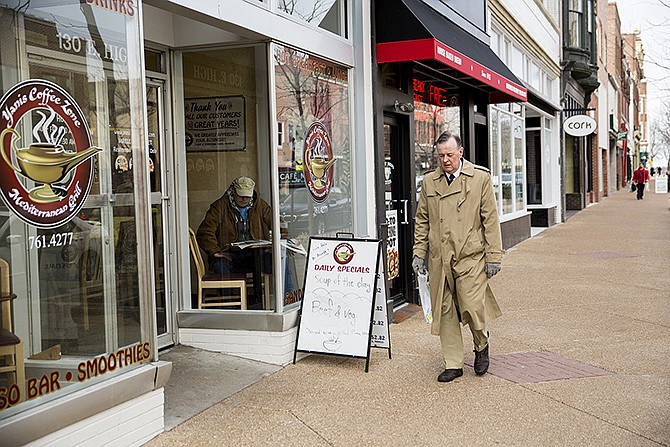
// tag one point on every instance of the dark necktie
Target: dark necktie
(450, 178)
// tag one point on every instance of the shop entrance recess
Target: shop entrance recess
(398, 178)
(159, 177)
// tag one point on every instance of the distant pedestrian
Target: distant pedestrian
(457, 226)
(640, 177)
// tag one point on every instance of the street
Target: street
(579, 357)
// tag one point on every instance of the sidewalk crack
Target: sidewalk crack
(310, 428)
(594, 416)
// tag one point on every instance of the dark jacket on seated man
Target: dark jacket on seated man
(239, 215)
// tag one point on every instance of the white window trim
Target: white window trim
(498, 189)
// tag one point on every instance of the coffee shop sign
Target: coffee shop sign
(579, 125)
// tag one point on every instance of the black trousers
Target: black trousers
(640, 190)
(243, 261)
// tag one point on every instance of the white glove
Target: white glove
(419, 265)
(492, 269)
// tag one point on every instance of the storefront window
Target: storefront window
(507, 156)
(72, 126)
(495, 155)
(506, 162)
(430, 121)
(571, 165)
(518, 163)
(315, 157)
(227, 142)
(330, 15)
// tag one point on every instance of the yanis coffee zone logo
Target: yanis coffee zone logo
(318, 161)
(343, 253)
(41, 182)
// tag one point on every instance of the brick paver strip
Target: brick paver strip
(539, 366)
(405, 312)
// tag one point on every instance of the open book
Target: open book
(256, 243)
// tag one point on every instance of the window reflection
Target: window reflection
(76, 284)
(430, 121)
(314, 154)
(326, 14)
(506, 162)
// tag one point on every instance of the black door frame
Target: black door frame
(404, 193)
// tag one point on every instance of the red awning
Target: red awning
(428, 37)
(433, 49)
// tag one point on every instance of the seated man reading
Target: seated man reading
(239, 215)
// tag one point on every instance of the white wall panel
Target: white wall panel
(534, 22)
(130, 424)
(251, 21)
(270, 347)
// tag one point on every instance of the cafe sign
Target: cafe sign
(46, 168)
(318, 161)
(579, 125)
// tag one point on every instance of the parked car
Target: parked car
(332, 215)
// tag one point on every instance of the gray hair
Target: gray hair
(446, 136)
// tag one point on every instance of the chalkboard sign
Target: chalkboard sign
(338, 297)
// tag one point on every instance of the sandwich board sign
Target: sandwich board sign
(338, 303)
(380, 325)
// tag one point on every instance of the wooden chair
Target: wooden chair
(217, 282)
(11, 346)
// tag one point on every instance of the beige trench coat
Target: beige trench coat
(457, 226)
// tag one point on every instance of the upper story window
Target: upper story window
(581, 29)
(552, 8)
(575, 23)
(528, 69)
(330, 15)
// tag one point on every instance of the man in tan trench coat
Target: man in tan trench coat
(458, 230)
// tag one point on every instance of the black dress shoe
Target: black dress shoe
(449, 374)
(481, 364)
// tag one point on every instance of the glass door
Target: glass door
(399, 206)
(160, 205)
(84, 274)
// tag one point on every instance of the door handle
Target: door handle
(404, 211)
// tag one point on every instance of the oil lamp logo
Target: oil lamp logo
(343, 253)
(318, 161)
(42, 183)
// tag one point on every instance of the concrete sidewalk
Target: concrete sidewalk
(579, 357)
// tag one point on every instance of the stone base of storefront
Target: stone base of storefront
(573, 201)
(542, 216)
(124, 410)
(266, 337)
(515, 230)
(270, 347)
